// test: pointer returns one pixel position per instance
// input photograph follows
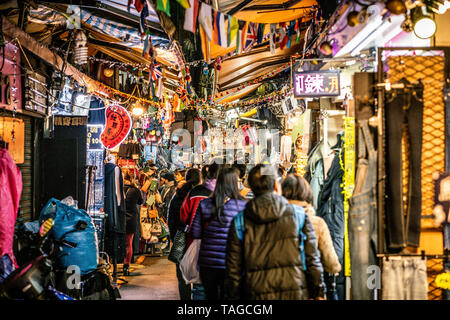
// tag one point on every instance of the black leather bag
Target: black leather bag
(179, 246)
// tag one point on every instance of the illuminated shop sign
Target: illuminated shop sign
(118, 126)
(316, 84)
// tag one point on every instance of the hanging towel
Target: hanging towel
(190, 16)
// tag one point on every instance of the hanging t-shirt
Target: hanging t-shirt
(96, 116)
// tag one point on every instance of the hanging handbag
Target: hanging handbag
(145, 223)
(156, 227)
(143, 213)
(146, 229)
(152, 213)
(178, 246)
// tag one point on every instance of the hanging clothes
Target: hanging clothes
(331, 209)
(97, 114)
(10, 191)
(314, 172)
(362, 221)
(285, 148)
(115, 211)
(404, 224)
(404, 278)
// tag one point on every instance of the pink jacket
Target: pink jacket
(10, 191)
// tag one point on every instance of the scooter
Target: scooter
(47, 280)
(35, 280)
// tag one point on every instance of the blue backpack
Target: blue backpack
(300, 216)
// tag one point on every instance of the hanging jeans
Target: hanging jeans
(406, 107)
(363, 218)
(404, 278)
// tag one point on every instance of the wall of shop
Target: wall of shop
(63, 165)
(443, 26)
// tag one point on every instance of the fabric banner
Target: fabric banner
(273, 31)
(220, 37)
(283, 35)
(251, 36)
(240, 38)
(164, 6)
(185, 4)
(190, 17)
(233, 27)
(205, 20)
(260, 33)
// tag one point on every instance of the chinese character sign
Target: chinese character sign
(118, 126)
(93, 137)
(316, 84)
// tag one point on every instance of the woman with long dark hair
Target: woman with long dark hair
(133, 198)
(211, 224)
(193, 178)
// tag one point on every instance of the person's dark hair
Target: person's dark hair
(204, 171)
(169, 176)
(242, 168)
(130, 180)
(212, 171)
(281, 171)
(226, 186)
(297, 188)
(262, 179)
(193, 178)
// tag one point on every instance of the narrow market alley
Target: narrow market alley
(153, 279)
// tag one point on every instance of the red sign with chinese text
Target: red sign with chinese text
(10, 79)
(118, 126)
(317, 84)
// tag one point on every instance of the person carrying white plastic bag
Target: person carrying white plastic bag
(189, 263)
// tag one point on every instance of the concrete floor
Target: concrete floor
(154, 279)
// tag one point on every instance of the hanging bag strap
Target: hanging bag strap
(300, 216)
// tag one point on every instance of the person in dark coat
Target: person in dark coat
(133, 198)
(169, 186)
(267, 263)
(193, 178)
(189, 209)
(331, 209)
(211, 224)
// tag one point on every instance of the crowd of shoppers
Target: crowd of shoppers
(259, 235)
(260, 238)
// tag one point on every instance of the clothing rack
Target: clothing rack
(422, 254)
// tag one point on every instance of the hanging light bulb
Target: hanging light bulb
(352, 18)
(326, 48)
(424, 25)
(396, 7)
(108, 72)
(137, 109)
(81, 49)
